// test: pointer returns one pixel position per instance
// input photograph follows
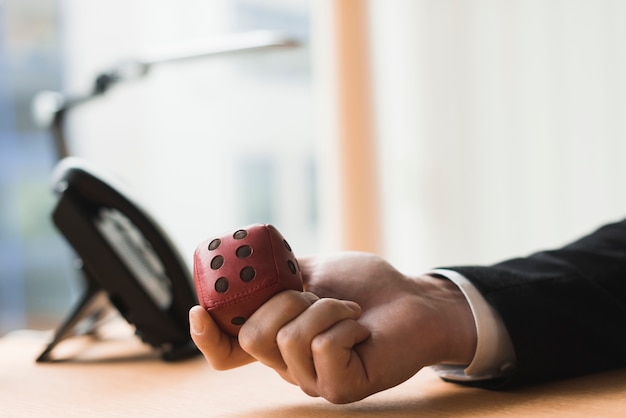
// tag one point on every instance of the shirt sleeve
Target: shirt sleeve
(494, 356)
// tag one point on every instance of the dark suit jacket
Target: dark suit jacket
(565, 310)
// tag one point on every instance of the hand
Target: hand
(360, 327)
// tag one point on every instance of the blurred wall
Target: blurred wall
(501, 125)
(211, 144)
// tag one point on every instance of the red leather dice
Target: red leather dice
(236, 273)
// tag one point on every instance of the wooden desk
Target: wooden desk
(129, 382)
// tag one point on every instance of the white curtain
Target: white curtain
(501, 125)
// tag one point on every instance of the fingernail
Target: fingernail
(311, 297)
(195, 322)
(353, 305)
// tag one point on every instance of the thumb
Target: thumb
(220, 349)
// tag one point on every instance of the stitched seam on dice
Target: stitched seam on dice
(198, 272)
(273, 248)
(241, 296)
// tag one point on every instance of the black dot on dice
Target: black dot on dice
(241, 234)
(221, 285)
(217, 262)
(247, 274)
(287, 246)
(292, 267)
(238, 320)
(214, 244)
(243, 251)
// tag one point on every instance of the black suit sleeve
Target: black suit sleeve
(565, 310)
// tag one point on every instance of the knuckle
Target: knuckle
(323, 343)
(326, 303)
(288, 337)
(309, 391)
(251, 337)
(338, 394)
(215, 361)
(334, 307)
(217, 365)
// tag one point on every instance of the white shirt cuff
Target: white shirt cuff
(494, 356)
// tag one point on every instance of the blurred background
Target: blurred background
(432, 132)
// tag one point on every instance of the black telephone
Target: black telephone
(127, 260)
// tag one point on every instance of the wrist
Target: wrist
(455, 324)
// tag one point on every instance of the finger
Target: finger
(295, 339)
(258, 334)
(342, 375)
(220, 349)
